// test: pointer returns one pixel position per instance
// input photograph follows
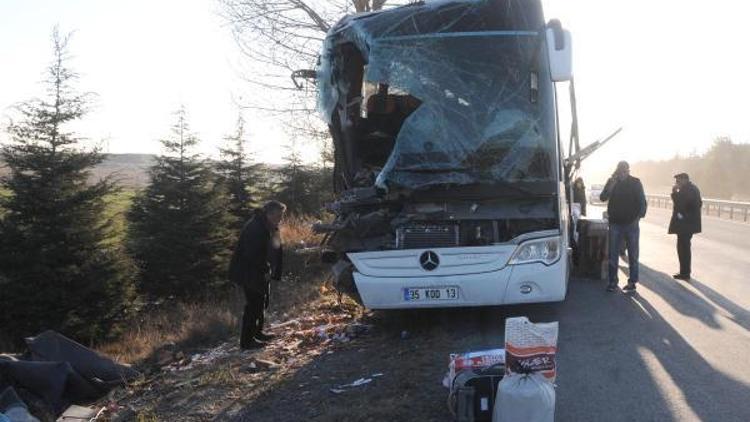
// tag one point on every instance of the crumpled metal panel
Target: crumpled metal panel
(471, 65)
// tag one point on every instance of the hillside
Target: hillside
(130, 169)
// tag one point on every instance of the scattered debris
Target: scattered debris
(266, 364)
(233, 376)
(182, 363)
(79, 413)
(343, 388)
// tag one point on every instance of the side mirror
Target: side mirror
(560, 51)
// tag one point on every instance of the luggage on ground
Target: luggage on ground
(472, 393)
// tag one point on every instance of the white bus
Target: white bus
(449, 167)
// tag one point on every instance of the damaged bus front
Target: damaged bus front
(448, 167)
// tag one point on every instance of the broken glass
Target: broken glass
(471, 72)
(479, 120)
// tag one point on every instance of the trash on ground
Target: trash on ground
(358, 383)
(182, 363)
(262, 363)
(79, 413)
(331, 329)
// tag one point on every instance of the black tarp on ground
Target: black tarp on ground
(13, 407)
(101, 371)
(60, 372)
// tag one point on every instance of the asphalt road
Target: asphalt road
(674, 351)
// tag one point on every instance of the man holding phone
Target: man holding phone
(626, 205)
(686, 220)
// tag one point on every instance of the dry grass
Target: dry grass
(183, 324)
(193, 325)
(296, 231)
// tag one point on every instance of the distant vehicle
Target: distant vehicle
(594, 192)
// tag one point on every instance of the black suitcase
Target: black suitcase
(472, 393)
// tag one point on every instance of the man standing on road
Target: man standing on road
(257, 255)
(579, 194)
(686, 220)
(626, 205)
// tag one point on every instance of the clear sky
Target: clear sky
(673, 73)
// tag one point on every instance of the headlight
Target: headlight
(546, 251)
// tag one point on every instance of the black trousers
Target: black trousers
(253, 316)
(684, 253)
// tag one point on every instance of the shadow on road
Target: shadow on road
(685, 301)
(737, 313)
(710, 394)
(619, 360)
(681, 298)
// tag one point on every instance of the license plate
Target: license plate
(427, 294)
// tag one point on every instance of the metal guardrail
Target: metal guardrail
(732, 210)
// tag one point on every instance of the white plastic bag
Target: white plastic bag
(530, 347)
(524, 398)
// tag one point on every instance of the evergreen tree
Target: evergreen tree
(178, 228)
(239, 178)
(304, 189)
(60, 266)
(291, 184)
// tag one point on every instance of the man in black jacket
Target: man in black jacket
(257, 255)
(626, 205)
(579, 194)
(686, 220)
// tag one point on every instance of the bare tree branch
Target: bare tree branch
(278, 37)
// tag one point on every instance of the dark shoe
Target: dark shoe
(611, 287)
(265, 337)
(685, 277)
(252, 345)
(630, 287)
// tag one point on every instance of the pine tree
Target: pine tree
(292, 185)
(60, 265)
(178, 228)
(239, 178)
(304, 189)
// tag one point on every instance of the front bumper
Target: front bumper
(525, 283)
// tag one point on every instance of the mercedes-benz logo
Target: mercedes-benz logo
(429, 260)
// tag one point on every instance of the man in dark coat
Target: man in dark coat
(257, 255)
(626, 205)
(686, 220)
(579, 194)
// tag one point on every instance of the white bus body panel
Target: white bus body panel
(481, 274)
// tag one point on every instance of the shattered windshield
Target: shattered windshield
(484, 117)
